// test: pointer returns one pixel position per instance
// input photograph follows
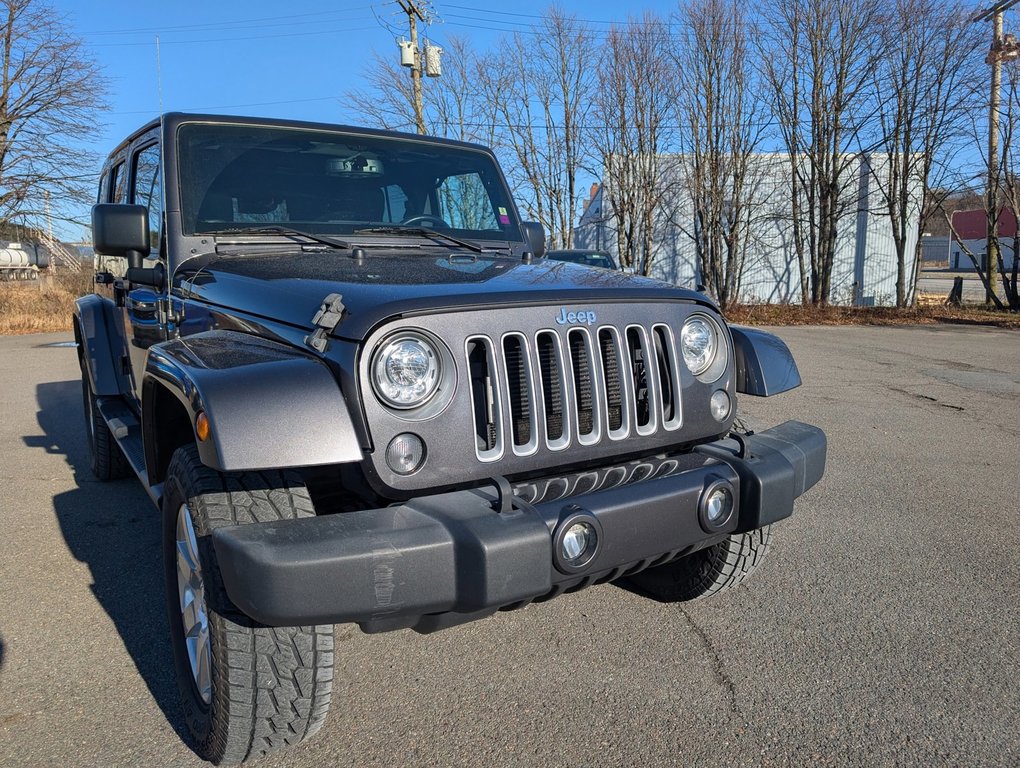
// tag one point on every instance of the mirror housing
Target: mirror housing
(535, 233)
(154, 277)
(121, 230)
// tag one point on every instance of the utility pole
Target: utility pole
(1001, 49)
(414, 15)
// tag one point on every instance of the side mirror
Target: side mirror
(121, 230)
(535, 233)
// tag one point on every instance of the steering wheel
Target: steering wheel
(425, 220)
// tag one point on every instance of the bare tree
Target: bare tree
(1010, 183)
(454, 104)
(924, 86)
(636, 85)
(540, 88)
(723, 119)
(948, 217)
(387, 101)
(51, 92)
(819, 59)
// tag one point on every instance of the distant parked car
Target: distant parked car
(588, 258)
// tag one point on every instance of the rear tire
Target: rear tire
(708, 571)
(261, 688)
(105, 456)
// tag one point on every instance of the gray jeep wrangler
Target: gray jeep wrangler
(341, 369)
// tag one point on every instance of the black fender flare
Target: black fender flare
(764, 364)
(95, 332)
(269, 405)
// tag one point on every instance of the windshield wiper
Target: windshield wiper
(420, 232)
(278, 230)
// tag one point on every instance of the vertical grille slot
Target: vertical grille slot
(644, 383)
(611, 356)
(520, 393)
(485, 399)
(669, 376)
(582, 370)
(551, 370)
(639, 374)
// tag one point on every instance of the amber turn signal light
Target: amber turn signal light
(202, 426)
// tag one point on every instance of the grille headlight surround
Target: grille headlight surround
(704, 348)
(406, 371)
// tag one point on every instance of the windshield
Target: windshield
(242, 176)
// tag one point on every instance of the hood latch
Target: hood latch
(327, 319)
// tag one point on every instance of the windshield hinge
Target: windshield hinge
(327, 319)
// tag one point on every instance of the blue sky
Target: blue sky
(292, 59)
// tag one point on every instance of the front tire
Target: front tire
(246, 689)
(709, 571)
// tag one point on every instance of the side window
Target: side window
(464, 203)
(147, 190)
(104, 188)
(118, 183)
(396, 203)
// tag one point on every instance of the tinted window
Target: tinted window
(334, 182)
(118, 183)
(147, 189)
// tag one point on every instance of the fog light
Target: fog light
(720, 405)
(717, 505)
(405, 454)
(576, 540)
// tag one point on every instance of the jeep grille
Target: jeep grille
(575, 386)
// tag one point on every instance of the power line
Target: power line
(230, 106)
(232, 24)
(343, 30)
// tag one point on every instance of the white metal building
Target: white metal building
(864, 272)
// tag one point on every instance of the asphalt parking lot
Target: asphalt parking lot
(883, 629)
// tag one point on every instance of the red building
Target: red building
(971, 228)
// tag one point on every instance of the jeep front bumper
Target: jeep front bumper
(437, 561)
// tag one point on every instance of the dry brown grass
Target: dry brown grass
(790, 314)
(41, 307)
(30, 308)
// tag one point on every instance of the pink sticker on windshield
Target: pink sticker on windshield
(504, 219)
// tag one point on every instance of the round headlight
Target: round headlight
(699, 342)
(406, 372)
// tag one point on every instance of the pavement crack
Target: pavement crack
(926, 398)
(719, 672)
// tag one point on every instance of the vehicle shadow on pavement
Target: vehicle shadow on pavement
(114, 529)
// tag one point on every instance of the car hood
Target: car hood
(290, 286)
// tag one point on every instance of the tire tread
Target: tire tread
(107, 459)
(707, 572)
(279, 679)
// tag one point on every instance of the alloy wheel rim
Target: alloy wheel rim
(194, 616)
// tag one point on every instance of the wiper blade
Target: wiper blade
(420, 232)
(277, 230)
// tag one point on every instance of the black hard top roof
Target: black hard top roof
(173, 119)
